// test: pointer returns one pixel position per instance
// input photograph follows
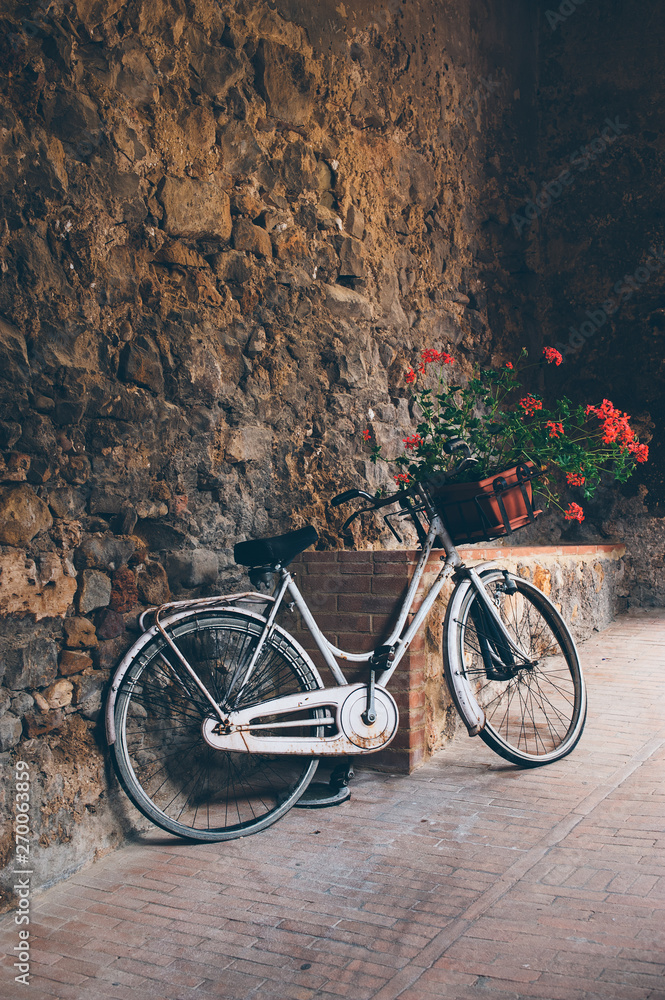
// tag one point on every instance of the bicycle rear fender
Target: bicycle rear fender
(150, 634)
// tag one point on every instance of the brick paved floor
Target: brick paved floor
(470, 879)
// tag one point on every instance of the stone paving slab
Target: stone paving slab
(470, 879)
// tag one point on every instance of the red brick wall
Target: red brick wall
(354, 597)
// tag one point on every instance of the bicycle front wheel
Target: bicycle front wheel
(172, 775)
(534, 703)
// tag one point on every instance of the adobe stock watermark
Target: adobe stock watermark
(565, 10)
(623, 289)
(580, 161)
(485, 89)
(22, 871)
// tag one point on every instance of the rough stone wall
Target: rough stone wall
(589, 215)
(226, 229)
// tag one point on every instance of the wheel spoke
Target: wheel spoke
(536, 712)
(168, 769)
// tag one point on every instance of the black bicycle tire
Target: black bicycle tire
(459, 611)
(126, 768)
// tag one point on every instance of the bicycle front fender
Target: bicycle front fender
(469, 710)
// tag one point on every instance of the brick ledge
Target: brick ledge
(514, 551)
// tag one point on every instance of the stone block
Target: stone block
(89, 693)
(352, 263)
(153, 584)
(16, 467)
(221, 71)
(32, 666)
(296, 277)
(140, 363)
(38, 723)
(109, 652)
(347, 304)
(13, 353)
(104, 552)
(22, 703)
(257, 343)
(11, 730)
(73, 663)
(66, 503)
(22, 590)
(247, 236)
(59, 693)
(79, 633)
(88, 688)
(195, 209)
(248, 444)
(192, 568)
(241, 154)
(233, 266)
(355, 223)
(22, 515)
(95, 591)
(93, 12)
(158, 534)
(285, 82)
(111, 625)
(124, 593)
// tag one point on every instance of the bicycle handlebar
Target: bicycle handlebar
(349, 495)
(376, 501)
(403, 496)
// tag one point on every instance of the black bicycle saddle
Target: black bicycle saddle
(273, 551)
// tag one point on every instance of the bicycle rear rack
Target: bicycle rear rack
(245, 597)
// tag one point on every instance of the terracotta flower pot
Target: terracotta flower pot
(474, 512)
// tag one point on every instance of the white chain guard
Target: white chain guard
(348, 702)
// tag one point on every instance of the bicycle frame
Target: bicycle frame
(399, 640)
(452, 563)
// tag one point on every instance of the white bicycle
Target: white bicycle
(217, 717)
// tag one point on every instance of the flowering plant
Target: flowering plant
(505, 426)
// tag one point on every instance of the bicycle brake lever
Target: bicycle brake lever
(386, 518)
(363, 510)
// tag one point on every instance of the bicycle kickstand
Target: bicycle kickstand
(319, 795)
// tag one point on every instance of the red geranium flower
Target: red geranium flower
(509, 364)
(574, 513)
(556, 428)
(530, 404)
(412, 442)
(640, 451)
(402, 477)
(367, 434)
(430, 354)
(410, 376)
(615, 423)
(575, 478)
(552, 355)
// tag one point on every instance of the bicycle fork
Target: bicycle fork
(502, 656)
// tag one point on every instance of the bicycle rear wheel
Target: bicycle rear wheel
(535, 704)
(172, 775)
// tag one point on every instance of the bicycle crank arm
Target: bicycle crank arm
(264, 729)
